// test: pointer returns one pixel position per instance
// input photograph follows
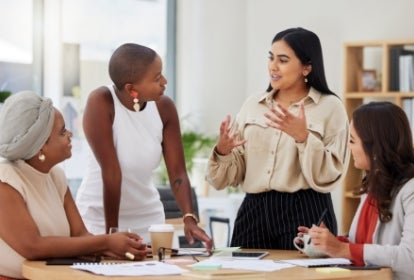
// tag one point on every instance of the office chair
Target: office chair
(171, 208)
(172, 211)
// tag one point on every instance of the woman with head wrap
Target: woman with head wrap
(38, 216)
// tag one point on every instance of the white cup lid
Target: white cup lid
(161, 227)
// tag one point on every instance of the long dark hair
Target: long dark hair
(308, 49)
(387, 140)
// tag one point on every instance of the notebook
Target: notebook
(319, 262)
(70, 261)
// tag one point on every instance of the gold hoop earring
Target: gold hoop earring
(42, 157)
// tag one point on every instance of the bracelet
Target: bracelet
(192, 216)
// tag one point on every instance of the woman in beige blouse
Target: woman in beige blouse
(287, 148)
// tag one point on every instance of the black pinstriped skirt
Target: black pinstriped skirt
(270, 220)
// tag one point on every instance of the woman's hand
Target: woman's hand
(282, 119)
(193, 231)
(302, 230)
(227, 141)
(326, 242)
(121, 243)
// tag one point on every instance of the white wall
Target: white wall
(211, 60)
(223, 46)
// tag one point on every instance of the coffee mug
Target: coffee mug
(307, 247)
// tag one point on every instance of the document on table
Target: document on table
(191, 252)
(320, 262)
(232, 263)
(130, 268)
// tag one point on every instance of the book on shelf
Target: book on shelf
(406, 72)
(394, 72)
(408, 107)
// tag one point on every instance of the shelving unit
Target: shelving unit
(359, 56)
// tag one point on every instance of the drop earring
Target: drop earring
(42, 157)
(136, 106)
(306, 80)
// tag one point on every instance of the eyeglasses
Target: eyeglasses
(161, 253)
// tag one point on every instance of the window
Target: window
(16, 47)
(88, 40)
(61, 48)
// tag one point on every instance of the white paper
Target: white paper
(130, 268)
(256, 265)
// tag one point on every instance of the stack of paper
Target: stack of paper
(130, 268)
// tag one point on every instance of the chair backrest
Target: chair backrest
(226, 221)
(171, 208)
(172, 211)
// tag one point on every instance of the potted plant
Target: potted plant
(195, 145)
(4, 94)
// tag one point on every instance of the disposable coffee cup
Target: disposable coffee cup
(161, 236)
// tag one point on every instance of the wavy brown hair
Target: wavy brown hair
(387, 140)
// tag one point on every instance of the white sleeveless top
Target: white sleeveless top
(137, 138)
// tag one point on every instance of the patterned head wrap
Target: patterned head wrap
(26, 121)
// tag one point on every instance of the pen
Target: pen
(320, 220)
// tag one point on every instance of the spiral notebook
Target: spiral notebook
(130, 268)
(69, 261)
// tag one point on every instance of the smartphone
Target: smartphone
(249, 255)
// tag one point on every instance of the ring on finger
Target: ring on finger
(130, 256)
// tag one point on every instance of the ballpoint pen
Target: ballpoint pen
(320, 220)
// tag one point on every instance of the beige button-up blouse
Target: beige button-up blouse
(272, 160)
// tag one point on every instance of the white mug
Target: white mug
(307, 247)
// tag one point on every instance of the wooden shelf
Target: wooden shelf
(358, 56)
(358, 95)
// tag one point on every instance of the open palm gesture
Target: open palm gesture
(282, 119)
(227, 140)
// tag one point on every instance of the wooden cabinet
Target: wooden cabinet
(358, 58)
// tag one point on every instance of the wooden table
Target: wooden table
(38, 270)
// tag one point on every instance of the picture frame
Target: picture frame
(367, 80)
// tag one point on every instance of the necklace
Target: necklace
(290, 102)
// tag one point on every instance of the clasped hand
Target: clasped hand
(121, 242)
(324, 241)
